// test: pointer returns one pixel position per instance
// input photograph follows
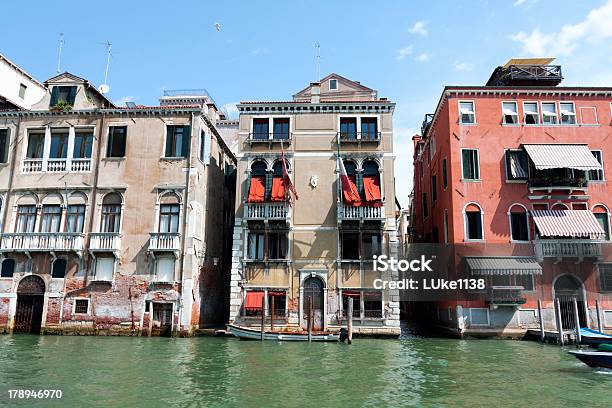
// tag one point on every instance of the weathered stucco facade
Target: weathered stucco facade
(115, 220)
(319, 247)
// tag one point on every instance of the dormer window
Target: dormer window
(333, 84)
(66, 94)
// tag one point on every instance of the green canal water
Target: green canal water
(225, 372)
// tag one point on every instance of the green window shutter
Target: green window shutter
(54, 96)
(268, 185)
(186, 141)
(169, 137)
(72, 95)
(248, 187)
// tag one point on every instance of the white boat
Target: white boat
(253, 334)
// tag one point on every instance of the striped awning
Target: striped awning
(497, 265)
(567, 223)
(562, 156)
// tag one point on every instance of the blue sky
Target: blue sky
(407, 50)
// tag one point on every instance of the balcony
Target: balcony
(506, 295)
(526, 75)
(359, 137)
(42, 241)
(104, 241)
(74, 165)
(426, 123)
(267, 211)
(557, 183)
(270, 138)
(364, 213)
(567, 248)
(164, 241)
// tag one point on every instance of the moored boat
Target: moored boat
(253, 334)
(593, 337)
(601, 359)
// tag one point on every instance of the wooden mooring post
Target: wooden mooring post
(263, 318)
(558, 318)
(349, 321)
(542, 334)
(310, 319)
(599, 328)
(577, 321)
(272, 311)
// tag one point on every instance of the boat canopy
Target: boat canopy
(499, 265)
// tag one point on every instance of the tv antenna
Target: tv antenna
(104, 88)
(59, 51)
(317, 47)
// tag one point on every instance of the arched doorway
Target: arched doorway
(30, 298)
(313, 289)
(567, 288)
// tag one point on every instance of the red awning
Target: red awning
(351, 293)
(349, 190)
(254, 299)
(257, 190)
(371, 185)
(277, 293)
(567, 223)
(278, 189)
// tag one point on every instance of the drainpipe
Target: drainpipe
(11, 173)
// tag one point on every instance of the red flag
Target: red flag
(349, 189)
(289, 188)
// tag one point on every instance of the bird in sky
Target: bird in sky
(217, 26)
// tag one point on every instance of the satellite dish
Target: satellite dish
(104, 89)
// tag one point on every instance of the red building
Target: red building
(512, 175)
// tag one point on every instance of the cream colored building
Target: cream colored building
(114, 219)
(320, 247)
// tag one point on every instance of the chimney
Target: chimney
(315, 92)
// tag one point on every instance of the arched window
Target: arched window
(111, 213)
(8, 268)
(519, 224)
(26, 213)
(278, 192)
(169, 211)
(371, 184)
(75, 212)
(603, 218)
(350, 192)
(58, 268)
(559, 207)
(257, 184)
(473, 222)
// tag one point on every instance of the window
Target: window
(444, 174)
(333, 84)
(424, 204)
(446, 226)
(510, 111)
(350, 245)
(369, 129)
(255, 245)
(26, 218)
(105, 268)
(372, 305)
(4, 145)
(531, 113)
(280, 303)
(473, 223)
(257, 183)
(22, 91)
(434, 190)
(348, 128)
(81, 306)
(470, 164)
(169, 217)
(36, 143)
(75, 218)
(58, 268)
(8, 268)
(253, 303)
(177, 141)
(549, 113)
(281, 129)
(63, 93)
(277, 245)
(466, 112)
(204, 147)
(83, 141)
(261, 129)
(568, 113)
(59, 145)
(51, 217)
(116, 141)
(356, 296)
(597, 175)
(111, 213)
(526, 281)
(519, 225)
(516, 165)
(370, 245)
(605, 276)
(368, 184)
(165, 269)
(603, 220)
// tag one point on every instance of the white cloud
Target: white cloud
(404, 52)
(423, 57)
(419, 28)
(463, 66)
(121, 101)
(519, 2)
(594, 29)
(231, 110)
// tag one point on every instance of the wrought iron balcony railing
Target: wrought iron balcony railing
(270, 137)
(359, 137)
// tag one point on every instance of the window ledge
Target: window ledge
(112, 159)
(172, 158)
(518, 241)
(516, 181)
(471, 180)
(511, 125)
(473, 240)
(468, 124)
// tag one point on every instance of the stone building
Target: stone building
(318, 248)
(112, 218)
